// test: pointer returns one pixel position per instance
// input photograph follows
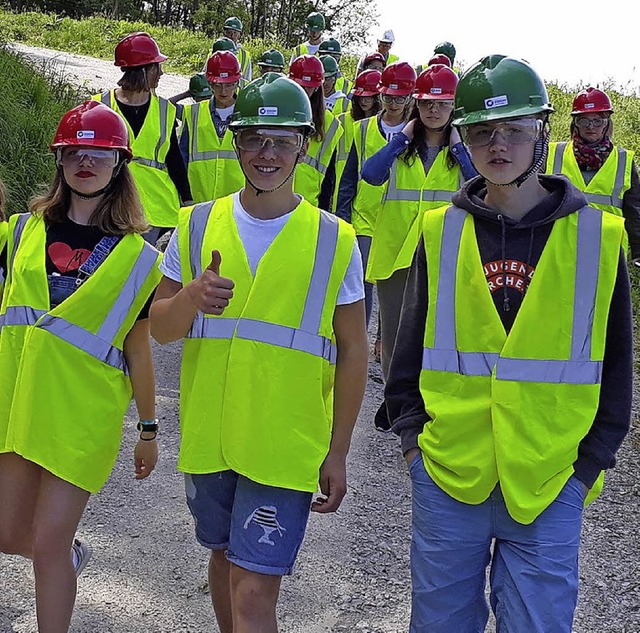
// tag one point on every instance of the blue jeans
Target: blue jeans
(534, 568)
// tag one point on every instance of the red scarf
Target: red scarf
(592, 156)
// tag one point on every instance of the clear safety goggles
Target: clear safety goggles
(283, 141)
(392, 99)
(515, 132)
(596, 122)
(435, 104)
(74, 156)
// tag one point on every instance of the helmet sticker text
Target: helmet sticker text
(496, 102)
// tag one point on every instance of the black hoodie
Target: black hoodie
(510, 252)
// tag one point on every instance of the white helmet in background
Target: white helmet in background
(387, 36)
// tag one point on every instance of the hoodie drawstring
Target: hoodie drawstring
(529, 255)
(503, 245)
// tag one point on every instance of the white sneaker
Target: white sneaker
(81, 554)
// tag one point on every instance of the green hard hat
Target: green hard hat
(446, 48)
(499, 87)
(272, 57)
(330, 66)
(330, 47)
(223, 44)
(272, 100)
(199, 87)
(315, 22)
(235, 24)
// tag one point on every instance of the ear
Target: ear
(302, 154)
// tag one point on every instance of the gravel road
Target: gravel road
(148, 575)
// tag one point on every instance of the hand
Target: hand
(407, 130)
(333, 484)
(211, 293)
(454, 137)
(145, 457)
(410, 454)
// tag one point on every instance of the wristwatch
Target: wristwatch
(148, 426)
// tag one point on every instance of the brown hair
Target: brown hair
(3, 202)
(358, 113)
(318, 110)
(118, 213)
(135, 79)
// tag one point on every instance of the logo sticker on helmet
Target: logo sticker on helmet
(589, 105)
(268, 111)
(435, 91)
(224, 74)
(393, 86)
(496, 102)
(306, 78)
(85, 134)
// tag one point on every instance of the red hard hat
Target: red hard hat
(307, 70)
(373, 57)
(591, 100)
(223, 67)
(437, 82)
(367, 83)
(138, 49)
(95, 125)
(440, 58)
(398, 79)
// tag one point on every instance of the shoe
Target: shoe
(381, 420)
(81, 554)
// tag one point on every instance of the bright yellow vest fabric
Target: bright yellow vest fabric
(301, 49)
(608, 186)
(342, 83)
(4, 228)
(368, 201)
(64, 386)
(158, 194)
(256, 387)
(213, 169)
(341, 105)
(399, 223)
(512, 409)
(245, 64)
(310, 173)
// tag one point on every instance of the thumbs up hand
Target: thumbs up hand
(210, 292)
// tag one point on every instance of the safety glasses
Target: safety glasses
(74, 156)
(283, 141)
(391, 99)
(584, 122)
(433, 104)
(516, 132)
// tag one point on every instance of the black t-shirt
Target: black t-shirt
(69, 245)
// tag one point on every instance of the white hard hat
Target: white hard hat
(387, 36)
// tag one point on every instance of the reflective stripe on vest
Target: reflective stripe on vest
(413, 195)
(615, 199)
(314, 161)
(195, 154)
(579, 369)
(306, 337)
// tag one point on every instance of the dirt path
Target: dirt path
(148, 575)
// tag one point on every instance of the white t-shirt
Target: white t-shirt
(256, 236)
(391, 130)
(225, 113)
(330, 101)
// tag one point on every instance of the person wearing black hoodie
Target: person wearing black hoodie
(510, 383)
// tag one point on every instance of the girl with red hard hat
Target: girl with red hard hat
(75, 332)
(606, 173)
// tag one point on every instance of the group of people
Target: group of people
(504, 304)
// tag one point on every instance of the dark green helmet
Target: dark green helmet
(223, 44)
(499, 87)
(234, 24)
(272, 57)
(315, 22)
(330, 66)
(330, 47)
(199, 87)
(272, 100)
(446, 48)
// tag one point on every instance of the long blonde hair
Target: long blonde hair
(118, 213)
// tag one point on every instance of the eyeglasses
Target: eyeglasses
(433, 104)
(283, 141)
(220, 86)
(584, 121)
(390, 99)
(74, 156)
(516, 132)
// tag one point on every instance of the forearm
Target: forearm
(171, 315)
(377, 168)
(137, 351)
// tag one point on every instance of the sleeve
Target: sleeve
(402, 392)
(328, 185)
(631, 213)
(348, 187)
(377, 168)
(597, 449)
(461, 154)
(352, 288)
(170, 264)
(177, 170)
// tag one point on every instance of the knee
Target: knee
(50, 547)
(254, 597)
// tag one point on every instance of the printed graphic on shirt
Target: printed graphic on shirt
(510, 273)
(267, 518)
(66, 258)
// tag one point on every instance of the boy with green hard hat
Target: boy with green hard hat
(232, 30)
(271, 60)
(267, 292)
(315, 24)
(332, 48)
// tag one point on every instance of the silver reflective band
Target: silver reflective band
(328, 139)
(20, 315)
(164, 124)
(466, 363)
(197, 226)
(194, 152)
(413, 195)
(549, 371)
(596, 198)
(23, 218)
(149, 163)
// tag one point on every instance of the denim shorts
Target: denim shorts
(260, 527)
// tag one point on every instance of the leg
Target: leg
(19, 483)
(390, 293)
(534, 576)
(450, 550)
(220, 589)
(58, 511)
(254, 599)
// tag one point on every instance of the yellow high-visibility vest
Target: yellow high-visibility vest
(512, 409)
(410, 192)
(4, 228)
(245, 64)
(64, 383)
(342, 83)
(256, 391)
(213, 168)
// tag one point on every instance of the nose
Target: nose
(497, 139)
(268, 149)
